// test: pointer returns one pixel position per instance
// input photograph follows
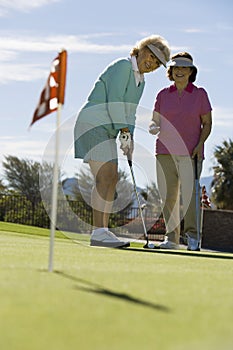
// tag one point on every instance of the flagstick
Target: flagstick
(54, 193)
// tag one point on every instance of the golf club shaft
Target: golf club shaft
(197, 192)
(138, 200)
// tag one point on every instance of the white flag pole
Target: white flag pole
(55, 189)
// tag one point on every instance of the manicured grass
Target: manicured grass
(106, 299)
(31, 230)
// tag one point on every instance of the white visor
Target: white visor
(181, 62)
(158, 53)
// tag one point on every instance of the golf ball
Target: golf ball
(151, 245)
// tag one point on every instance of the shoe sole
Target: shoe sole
(109, 244)
(168, 248)
(162, 248)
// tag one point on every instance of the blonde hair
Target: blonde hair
(155, 40)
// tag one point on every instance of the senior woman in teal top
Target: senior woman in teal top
(110, 111)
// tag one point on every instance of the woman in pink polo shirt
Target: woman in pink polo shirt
(182, 119)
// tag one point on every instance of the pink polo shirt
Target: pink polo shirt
(180, 122)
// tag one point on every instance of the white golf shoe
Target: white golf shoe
(166, 244)
(104, 238)
(193, 244)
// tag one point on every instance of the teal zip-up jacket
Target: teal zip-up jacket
(113, 100)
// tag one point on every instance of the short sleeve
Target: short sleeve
(205, 102)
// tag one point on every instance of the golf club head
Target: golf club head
(149, 245)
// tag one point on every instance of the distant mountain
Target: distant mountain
(68, 186)
(69, 183)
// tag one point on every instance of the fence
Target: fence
(76, 216)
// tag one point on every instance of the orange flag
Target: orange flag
(53, 93)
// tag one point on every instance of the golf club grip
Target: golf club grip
(130, 162)
(196, 167)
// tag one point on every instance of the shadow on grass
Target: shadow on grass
(95, 288)
(200, 254)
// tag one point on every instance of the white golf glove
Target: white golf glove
(125, 139)
(153, 128)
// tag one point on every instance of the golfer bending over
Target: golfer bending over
(182, 119)
(109, 111)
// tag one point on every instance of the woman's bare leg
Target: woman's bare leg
(106, 177)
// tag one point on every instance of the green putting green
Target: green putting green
(99, 298)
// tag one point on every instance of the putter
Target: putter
(147, 245)
(197, 191)
(202, 217)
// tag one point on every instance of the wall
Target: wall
(218, 230)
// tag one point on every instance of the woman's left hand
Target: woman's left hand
(126, 143)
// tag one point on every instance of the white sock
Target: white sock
(98, 230)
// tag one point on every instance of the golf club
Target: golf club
(148, 244)
(197, 192)
(202, 215)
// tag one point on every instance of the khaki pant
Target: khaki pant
(176, 185)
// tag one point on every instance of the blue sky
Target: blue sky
(94, 33)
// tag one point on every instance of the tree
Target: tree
(3, 188)
(222, 184)
(28, 177)
(31, 180)
(152, 197)
(23, 177)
